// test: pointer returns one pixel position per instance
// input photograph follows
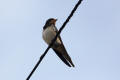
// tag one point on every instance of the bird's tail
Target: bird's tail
(62, 58)
(63, 55)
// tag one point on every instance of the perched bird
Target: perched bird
(49, 32)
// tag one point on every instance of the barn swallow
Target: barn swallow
(49, 32)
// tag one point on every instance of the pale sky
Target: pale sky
(92, 39)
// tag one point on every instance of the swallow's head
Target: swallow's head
(50, 22)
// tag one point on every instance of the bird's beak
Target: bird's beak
(54, 21)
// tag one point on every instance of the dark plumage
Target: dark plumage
(49, 32)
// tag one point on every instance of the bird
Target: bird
(48, 34)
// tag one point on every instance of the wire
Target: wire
(64, 24)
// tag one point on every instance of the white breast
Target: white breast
(49, 34)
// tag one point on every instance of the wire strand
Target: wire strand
(64, 24)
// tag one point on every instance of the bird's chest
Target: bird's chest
(49, 34)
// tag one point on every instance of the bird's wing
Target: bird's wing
(62, 53)
(62, 57)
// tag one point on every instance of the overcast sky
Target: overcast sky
(92, 39)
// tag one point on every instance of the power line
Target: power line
(64, 24)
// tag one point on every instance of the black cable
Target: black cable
(42, 56)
